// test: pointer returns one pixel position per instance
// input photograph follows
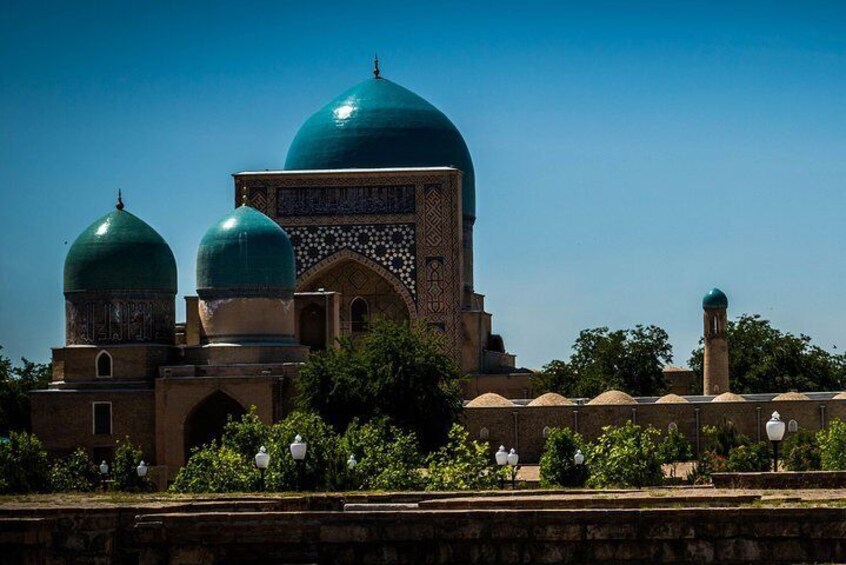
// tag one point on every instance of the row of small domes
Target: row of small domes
(244, 250)
(610, 397)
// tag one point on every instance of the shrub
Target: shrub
(710, 462)
(674, 449)
(461, 464)
(213, 469)
(720, 439)
(23, 464)
(557, 466)
(751, 458)
(802, 452)
(388, 458)
(832, 442)
(76, 472)
(123, 471)
(322, 468)
(246, 435)
(625, 456)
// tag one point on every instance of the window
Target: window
(359, 313)
(546, 431)
(484, 433)
(792, 426)
(673, 427)
(104, 365)
(102, 416)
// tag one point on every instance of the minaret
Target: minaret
(716, 364)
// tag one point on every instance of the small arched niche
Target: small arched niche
(103, 365)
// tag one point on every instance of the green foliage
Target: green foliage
(246, 435)
(16, 382)
(764, 359)
(76, 472)
(625, 456)
(628, 360)
(749, 458)
(388, 458)
(674, 449)
(802, 452)
(23, 464)
(213, 469)
(395, 371)
(124, 469)
(322, 468)
(461, 464)
(557, 466)
(709, 462)
(832, 442)
(722, 438)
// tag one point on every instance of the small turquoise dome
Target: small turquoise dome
(246, 251)
(380, 124)
(715, 298)
(120, 252)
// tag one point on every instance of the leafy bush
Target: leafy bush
(802, 452)
(388, 458)
(76, 472)
(674, 449)
(750, 458)
(323, 467)
(832, 442)
(213, 469)
(123, 471)
(557, 466)
(625, 456)
(722, 438)
(461, 464)
(23, 464)
(246, 435)
(709, 462)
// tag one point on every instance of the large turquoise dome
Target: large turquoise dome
(715, 298)
(379, 124)
(247, 252)
(120, 252)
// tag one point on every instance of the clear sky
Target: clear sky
(629, 156)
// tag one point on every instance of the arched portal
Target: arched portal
(206, 421)
(313, 327)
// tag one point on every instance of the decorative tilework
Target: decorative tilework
(390, 245)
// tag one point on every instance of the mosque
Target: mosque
(373, 214)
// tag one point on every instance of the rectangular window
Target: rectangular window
(102, 412)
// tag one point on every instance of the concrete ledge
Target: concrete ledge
(782, 480)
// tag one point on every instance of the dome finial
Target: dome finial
(376, 72)
(119, 204)
(244, 195)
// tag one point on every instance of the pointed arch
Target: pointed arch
(359, 314)
(311, 274)
(205, 421)
(103, 365)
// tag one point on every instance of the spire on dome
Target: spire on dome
(376, 73)
(119, 204)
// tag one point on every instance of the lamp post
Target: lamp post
(141, 469)
(298, 452)
(501, 460)
(579, 458)
(775, 431)
(104, 473)
(513, 459)
(262, 460)
(351, 463)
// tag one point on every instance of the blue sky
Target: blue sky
(629, 156)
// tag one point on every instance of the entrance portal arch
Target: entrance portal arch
(207, 419)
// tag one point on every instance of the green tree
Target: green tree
(753, 457)
(557, 464)
(216, 469)
(765, 359)
(674, 449)
(124, 469)
(628, 360)
(832, 442)
(246, 435)
(388, 458)
(395, 371)
(16, 382)
(461, 464)
(76, 472)
(23, 464)
(323, 466)
(802, 452)
(625, 456)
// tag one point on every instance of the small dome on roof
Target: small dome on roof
(551, 399)
(839, 396)
(120, 252)
(489, 400)
(714, 299)
(248, 252)
(671, 399)
(728, 397)
(793, 395)
(613, 397)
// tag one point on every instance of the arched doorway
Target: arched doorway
(359, 314)
(206, 421)
(313, 327)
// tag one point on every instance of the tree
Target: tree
(557, 465)
(674, 449)
(832, 442)
(802, 452)
(396, 371)
(387, 458)
(124, 471)
(765, 359)
(16, 382)
(625, 456)
(23, 464)
(76, 472)
(628, 360)
(216, 469)
(461, 464)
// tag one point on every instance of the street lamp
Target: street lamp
(298, 452)
(513, 459)
(141, 469)
(501, 460)
(579, 458)
(104, 473)
(775, 431)
(262, 460)
(351, 463)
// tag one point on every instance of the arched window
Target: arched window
(792, 426)
(673, 427)
(104, 365)
(545, 432)
(359, 314)
(484, 434)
